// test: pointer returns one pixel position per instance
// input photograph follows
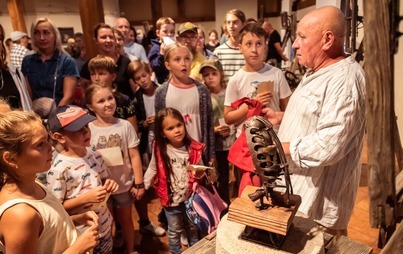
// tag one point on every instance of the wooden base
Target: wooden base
(303, 238)
(274, 219)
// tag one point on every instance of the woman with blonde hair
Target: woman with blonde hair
(50, 71)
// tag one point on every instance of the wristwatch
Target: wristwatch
(138, 185)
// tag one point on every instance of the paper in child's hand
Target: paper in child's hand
(267, 86)
(198, 171)
(112, 156)
(168, 40)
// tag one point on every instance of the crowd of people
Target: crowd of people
(82, 140)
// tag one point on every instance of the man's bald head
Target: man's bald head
(268, 27)
(328, 18)
(121, 20)
(123, 25)
(320, 37)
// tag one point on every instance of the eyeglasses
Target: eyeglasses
(188, 37)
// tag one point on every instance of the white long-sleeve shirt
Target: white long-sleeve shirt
(324, 123)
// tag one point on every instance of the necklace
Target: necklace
(2, 80)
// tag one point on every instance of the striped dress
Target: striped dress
(324, 123)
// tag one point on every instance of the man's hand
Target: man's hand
(274, 117)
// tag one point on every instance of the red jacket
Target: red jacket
(161, 183)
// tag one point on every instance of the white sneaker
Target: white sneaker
(152, 229)
(184, 239)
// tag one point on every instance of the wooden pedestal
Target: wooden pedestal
(274, 219)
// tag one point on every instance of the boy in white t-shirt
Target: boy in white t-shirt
(78, 176)
(255, 73)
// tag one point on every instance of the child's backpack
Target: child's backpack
(204, 208)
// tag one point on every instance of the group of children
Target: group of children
(98, 166)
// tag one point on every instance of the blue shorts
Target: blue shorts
(121, 200)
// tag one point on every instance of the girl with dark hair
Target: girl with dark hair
(173, 151)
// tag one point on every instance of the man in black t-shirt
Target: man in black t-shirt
(275, 52)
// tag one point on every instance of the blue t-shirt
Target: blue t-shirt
(41, 74)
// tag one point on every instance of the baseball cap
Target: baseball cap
(16, 35)
(188, 26)
(69, 118)
(212, 63)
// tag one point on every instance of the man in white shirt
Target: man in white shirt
(133, 50)
(323, 126)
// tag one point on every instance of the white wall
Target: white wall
(322, 3)
(61, 20)
(222, 6)
(111, 11)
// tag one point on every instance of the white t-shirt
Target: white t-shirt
(244, 84)
(187, 102)
(121, 134)
(70, 177)
(149, 104)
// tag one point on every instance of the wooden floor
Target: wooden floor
(359, 228)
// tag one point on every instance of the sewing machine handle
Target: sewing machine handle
(259, 193)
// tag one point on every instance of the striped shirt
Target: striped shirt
(231, 60)
(324, 123)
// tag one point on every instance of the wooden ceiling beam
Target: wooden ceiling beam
(156, 10)
(16, 13)
(91, 13)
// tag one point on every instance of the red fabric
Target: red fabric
(239, 154)
(161, 183)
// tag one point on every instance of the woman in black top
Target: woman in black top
(105, 39)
